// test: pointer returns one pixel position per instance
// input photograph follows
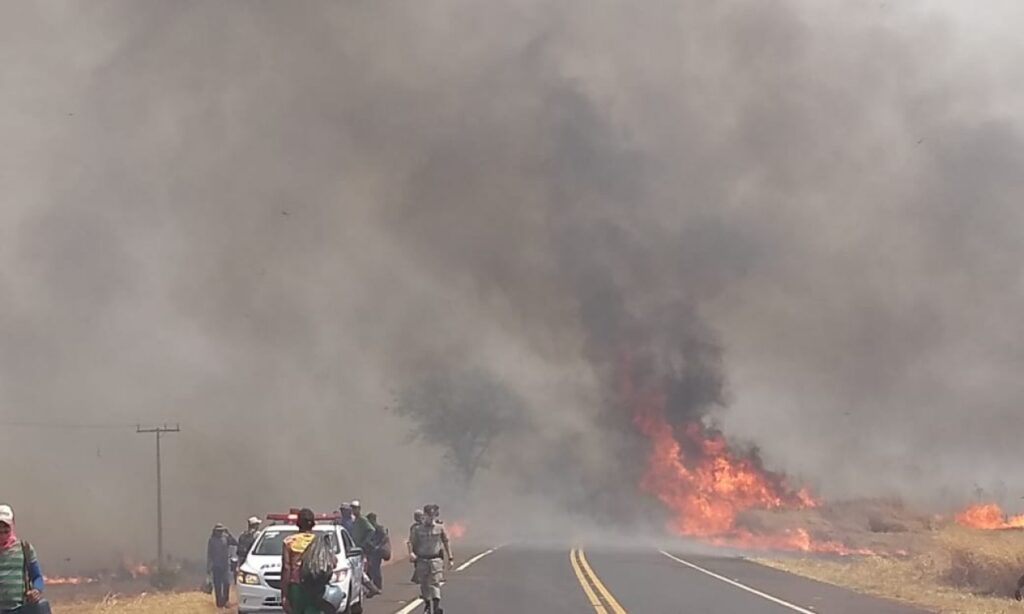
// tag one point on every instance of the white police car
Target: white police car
(259, 576)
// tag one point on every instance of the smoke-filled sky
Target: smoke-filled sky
(260, 219)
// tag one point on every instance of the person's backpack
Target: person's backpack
(318, 562)
(380, 544)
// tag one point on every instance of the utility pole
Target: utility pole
(159, 431)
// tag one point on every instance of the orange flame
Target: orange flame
(457, 529)
(131, 569)
(988, 516)
(707, 494)
(705, 484)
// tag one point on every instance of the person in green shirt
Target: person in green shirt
(17, 557)
(362, 528)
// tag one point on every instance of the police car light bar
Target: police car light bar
(293, 515)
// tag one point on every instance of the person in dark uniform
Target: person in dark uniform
(417, 520)
(378, 550)
(247, 539)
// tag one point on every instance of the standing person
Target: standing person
(218, 562)
(361, 532)
(379, 550)
(297, 598)
(361, 527)
(17, 557)
(247, 539)
(417, 520)
(347, 521)
(430, 546)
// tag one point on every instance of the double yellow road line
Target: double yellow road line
(599, 596)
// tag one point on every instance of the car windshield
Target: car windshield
(271, 541)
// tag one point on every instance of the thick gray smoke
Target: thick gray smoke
(258, 219)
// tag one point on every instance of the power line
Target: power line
(67, 426)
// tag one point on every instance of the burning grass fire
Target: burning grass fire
(988, 516)
(125, 571)
(705, 484)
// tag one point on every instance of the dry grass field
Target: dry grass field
(952, 569)
(146, 603)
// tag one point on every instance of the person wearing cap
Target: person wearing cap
(347, 521)
(17, 561)
(247, 539)
(430, 548)
(362, 529)
(218, 562)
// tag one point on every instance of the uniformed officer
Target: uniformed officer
(430, 546)
(417, 520)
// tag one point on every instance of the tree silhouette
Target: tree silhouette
(463, 413)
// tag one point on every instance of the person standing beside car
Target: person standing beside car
(218, 562)
(378, 551)
(362, 528)
(247, 539)
(347, 520)
(21, 578)
(295, 597)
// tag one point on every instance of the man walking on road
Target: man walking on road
(218, 562)
(430, 546)
(417, 520)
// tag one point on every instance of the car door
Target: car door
(356, 561)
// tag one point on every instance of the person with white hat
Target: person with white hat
(247, 539)
(361, 529)
(21, 578)
(347, 520)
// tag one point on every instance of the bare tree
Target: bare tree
(463, 413)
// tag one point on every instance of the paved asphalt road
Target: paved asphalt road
(514, 580)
